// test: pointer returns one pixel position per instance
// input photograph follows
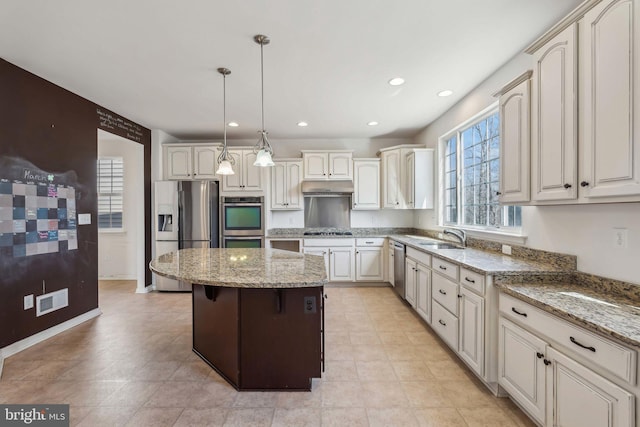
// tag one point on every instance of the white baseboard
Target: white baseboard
(23, 344)
(146, 290)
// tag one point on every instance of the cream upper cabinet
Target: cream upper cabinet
(610, 100)
(191, 161)
(286, 189)
(325, 165)
(554, 139)
(391, 180)
(407, 177)
(515, 114)
(247, 177)
(366, 184)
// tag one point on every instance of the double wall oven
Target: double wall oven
(242, 222)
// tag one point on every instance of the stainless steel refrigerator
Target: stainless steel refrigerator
(185, 216)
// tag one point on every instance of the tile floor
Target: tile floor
(133, 365)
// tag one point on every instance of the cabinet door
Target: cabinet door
(323, 252)
(521, 368)
(553, 118)
(205, 162)
(471, 334)
(340, 166)
(391, 179)
(390, 265)
(514, 144)
(293, 184)
(366, 182)
(409, 180)
(279, 185)
(423, 292)
(179, 162)
(581, 398)
(315, 165)
(410, 286)
(251, 175)
(610, 117)
(369, 264)
(341, 264)
(234, 182)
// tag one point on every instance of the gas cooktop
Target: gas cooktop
(328, 233)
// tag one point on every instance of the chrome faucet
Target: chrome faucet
(460, 234)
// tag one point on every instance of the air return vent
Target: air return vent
(52, 301)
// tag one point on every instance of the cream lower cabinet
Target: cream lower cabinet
(551, 385)
(418, 282)
(410, 283)
(339, 257)
(471, 330)
(370, 259)
(390, 263)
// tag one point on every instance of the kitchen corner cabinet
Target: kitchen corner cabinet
(187, 162)
(515, 115)
(366, 184)
(609, 98)
(286, 190)
(328, 165)
(407, 177)
(554, 135)
(557, 381)
(247, 177)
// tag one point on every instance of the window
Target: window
(110, 192)
(471, 159)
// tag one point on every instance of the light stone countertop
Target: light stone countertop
(615, 316)
(242, 268)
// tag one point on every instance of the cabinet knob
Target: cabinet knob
(547, 362)
(498, 193)
(584, 184)
(440, 290)
(539, 355)
(442, 323)
(567, 186)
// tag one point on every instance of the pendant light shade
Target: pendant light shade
(263, 149)
(225, 161)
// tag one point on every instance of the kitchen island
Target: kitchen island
(257, 313)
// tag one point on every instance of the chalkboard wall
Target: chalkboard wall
(55, 131)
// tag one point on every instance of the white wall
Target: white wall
(585, 231)
(117, 252)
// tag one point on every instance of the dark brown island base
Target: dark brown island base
(257, 313)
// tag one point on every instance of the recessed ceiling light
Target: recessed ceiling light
(444, 93)
(396, 81)
(233, 124)
(303, 124)
(373, 123)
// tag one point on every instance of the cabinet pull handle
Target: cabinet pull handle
(573, 340)
(539, 355)
(469, 280)
(584, 184)
(498, 193)
(517, 312)
(459, 296)
(567, 186)
(442, 323)
(369, 243)
(442, 267)
(442, 292)
(547, 362)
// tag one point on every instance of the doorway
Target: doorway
(120, 219)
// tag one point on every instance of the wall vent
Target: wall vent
(52, 301)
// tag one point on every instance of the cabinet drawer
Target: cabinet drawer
(328, 242)
(445, 267)
(600, 351)
(422, 257)
(445, 324)
(445, 292)
(373, 241)
(472, 280)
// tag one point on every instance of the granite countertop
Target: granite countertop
(242, 268)
(615, 316)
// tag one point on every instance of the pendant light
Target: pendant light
(263, 149)
(224, 159)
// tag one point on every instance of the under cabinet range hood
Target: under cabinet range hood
(328, 188)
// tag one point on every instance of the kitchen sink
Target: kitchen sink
(435, 245)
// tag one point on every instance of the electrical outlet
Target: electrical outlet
(506, 249)
(620, 238)
(28, 302)
(309, 305)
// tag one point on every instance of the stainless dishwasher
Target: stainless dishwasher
(398, 268)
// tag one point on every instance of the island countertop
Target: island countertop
(242, 268)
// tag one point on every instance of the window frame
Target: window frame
(120, 229)
(442, 142)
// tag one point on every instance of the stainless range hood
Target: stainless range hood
(327, 188)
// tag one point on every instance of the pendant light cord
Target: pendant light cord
(262, 81)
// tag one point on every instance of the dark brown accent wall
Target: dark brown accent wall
(56, 131)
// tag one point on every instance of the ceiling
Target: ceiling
(329, 61)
